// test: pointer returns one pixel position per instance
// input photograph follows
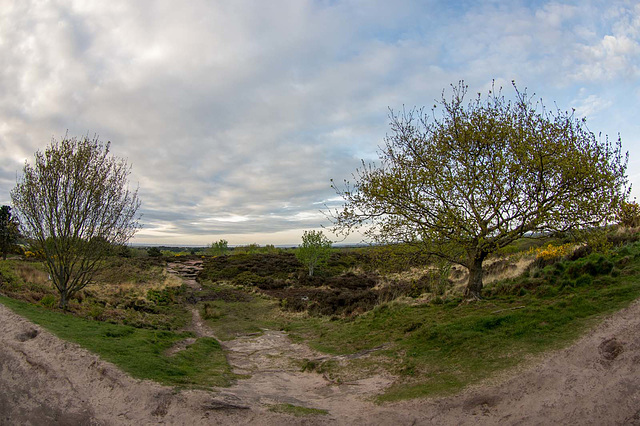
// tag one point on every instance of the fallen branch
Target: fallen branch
(508, 309)
(330, 380)
(362, 353)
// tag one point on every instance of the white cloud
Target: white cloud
(611, 58)
(229, 218)
(589, 105)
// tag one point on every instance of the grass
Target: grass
(148, 298)
(296, 410)
(435, 348)
(439, 349)
(249, 314)
(138, 351)
(28, 278)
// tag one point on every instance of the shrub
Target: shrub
(584, 280)
(34, 255)
(248, 278)
(48, 301)
(96, 312)
(162, 297)
(154, 252)
(594, 265)
(547, 291)
(582, 251)
(273, 265)
(550, 254)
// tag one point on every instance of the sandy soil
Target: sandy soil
(45, 381)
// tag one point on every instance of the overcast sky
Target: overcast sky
(236, 114)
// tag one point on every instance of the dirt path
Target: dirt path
(272, 364)
(45, 381)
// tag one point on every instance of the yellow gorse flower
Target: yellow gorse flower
(551, 251)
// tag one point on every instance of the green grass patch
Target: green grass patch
(139, 352)
(296, 410)
(229, 319)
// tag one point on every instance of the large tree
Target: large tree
(9, 231)
(74, 205)
(472, 177)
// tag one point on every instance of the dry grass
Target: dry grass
(412, 274)
(137, 284)
(31, 274)
(514, 267)
(136, 288)
(495, 269)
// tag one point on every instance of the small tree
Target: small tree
(314, 250)
(483, 175)
(9, 231)
(74, 206)
(218, 248)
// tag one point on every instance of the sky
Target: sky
(236, 115)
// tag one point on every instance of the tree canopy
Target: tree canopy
(218, 248)
(74, 205)
(471, 178)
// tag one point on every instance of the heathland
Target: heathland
(266, 342)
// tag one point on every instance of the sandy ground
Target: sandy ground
(46, 381)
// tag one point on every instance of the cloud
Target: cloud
(589, 105)
(610, 58)
(246, 110)
(613, 53)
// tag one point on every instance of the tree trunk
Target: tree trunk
(63, 301)
(474, 286)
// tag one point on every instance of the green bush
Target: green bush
(584, 280)
(48, 301)
(248, 278)
(547, 291)
(163, 297)
(154, 252)
(96, 312)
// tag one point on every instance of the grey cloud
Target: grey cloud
(248, 109)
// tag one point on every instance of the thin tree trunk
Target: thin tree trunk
(63, 300)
